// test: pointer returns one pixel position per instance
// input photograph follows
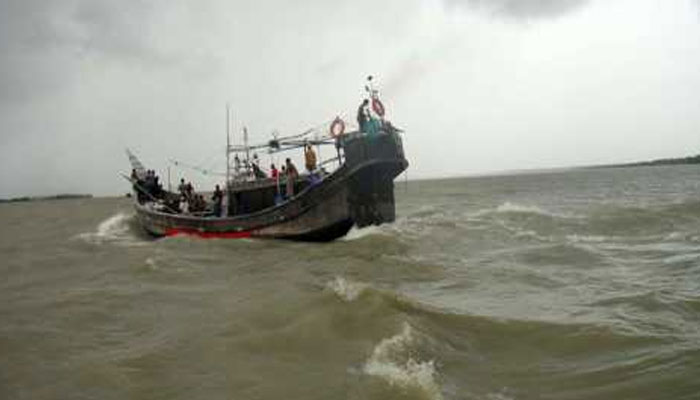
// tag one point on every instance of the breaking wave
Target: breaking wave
(346, 290)
(116, 229)
(509, 207)
(362, 233)
(392, 361)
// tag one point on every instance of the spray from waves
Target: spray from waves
(392, 361)
(113, 229)
(356, 234)
(346, 290)
(516, 208)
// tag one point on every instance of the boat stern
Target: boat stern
(376, 159)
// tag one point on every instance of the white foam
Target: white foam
(478, 214)
(675, 236)
(356, 233)
(346, 290)
(114, 228)
(151, 263)
(587, 238)
(518, 208)
(391, 361)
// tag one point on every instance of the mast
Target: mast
(247, 150)
(318, 147)
(228, 147)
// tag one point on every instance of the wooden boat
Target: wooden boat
(359, 192)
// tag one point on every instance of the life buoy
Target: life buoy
(337, 127)
(378, 107)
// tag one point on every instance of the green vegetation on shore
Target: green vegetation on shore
(44, 198)
(655, 163)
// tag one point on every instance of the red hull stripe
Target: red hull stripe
(208, 235)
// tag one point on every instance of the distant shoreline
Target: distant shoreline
(67, 196)
(654, 163)
(690, 160)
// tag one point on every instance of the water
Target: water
(574, 285)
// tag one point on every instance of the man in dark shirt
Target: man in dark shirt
(217, 198)
(362, 115)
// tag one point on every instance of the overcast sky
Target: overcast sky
(478, 85)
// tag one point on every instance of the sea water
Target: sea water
(583, 284)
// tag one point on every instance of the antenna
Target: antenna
(247, 150)
(228, 145)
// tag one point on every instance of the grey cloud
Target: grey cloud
(521, 9)
(43, 45)
(417, 65)
(24, 29)
(116, 29)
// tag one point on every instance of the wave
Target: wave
(409, 362)
(575, 238)
(645, 221)
(392, 361)
(684, 209)
(361, 233)
(347, 291)
(115, 229)
(459, 326)
(509, 207)
(444, 322)
(594, 225)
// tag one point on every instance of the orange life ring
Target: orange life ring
(337, 127)
(378, 107)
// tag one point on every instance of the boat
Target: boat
(358, 192)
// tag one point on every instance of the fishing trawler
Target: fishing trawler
(314, 206)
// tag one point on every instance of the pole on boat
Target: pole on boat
(318, 144)
(228, 159)
(170, 186)
(247, 150)
(228, 145)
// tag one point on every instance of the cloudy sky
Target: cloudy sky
(479, 85)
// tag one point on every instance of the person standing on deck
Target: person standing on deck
(217, 198)
(182, 187)
(184, 205)
(282, 178)
(237, 164)
(362, 115)
(310, 157)
(189, 191)
(292, 174)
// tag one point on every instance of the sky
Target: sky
(479, 86)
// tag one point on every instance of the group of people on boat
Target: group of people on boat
(366, 123)
(187, 201)
(248, 168)
(370, 118)
(288, 172)
(191, 202)
(147, 186)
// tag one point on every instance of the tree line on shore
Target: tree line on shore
(64, 196)
(655, 163)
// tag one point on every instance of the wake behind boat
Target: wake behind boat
(314, 206)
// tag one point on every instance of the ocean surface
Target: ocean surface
(582, 284)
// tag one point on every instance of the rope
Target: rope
(201, 170)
